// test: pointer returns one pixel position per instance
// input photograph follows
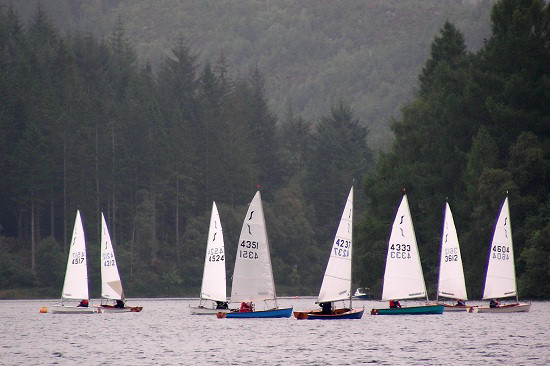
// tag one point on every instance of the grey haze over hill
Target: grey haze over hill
(312, 53)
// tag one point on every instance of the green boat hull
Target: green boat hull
(414, 310)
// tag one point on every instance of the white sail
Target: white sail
(76, 277)
(451, 274)
(111, 286)
(501, 273)
(337, 281)
(403, 278)
(253, 276)
(213, 278)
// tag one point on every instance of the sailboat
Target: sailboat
(112, 295)
(451, 284)
(336, 285)
(75, 286)
(403, 278)
(500, 281)
(213, 278)
(253, 275)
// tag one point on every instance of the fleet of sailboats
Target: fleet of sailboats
(336, 285)
(253, 276)
(403, 277)
(253, 286)
(213, 289)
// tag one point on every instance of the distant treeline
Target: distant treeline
(84, 125)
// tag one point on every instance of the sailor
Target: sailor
(326, 308)
(460, 302)
(394, 304)
(119, 304)
(83, 304)
(493, 303)
(246, 307)
(221, 305)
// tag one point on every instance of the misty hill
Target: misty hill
(312, 53)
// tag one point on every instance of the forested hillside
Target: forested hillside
(479, 128)
(312, 53)
(85, 124)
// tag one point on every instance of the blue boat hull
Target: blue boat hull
(414, 310)
(271, 313)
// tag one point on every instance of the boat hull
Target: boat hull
(126, 309)
(413, 310)
(271, 313)
(62, 309)
(201, 310)
(512, 308)
(337, 314)
(454, 308)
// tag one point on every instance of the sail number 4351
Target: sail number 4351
(248, 254)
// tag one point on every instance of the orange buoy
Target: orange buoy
(43, 309)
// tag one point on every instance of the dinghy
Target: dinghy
(213, 289)
(336, 285)
(403, 278)
(75, 286)
(500, 281)
(112, 295)
(253, 276)
(451, 284)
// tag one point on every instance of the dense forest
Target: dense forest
(85, 125)
(312, 53)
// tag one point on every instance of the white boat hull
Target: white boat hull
(62, 309)
(513, 308)
(200, 310)
(455, 308)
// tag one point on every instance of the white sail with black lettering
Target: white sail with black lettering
(213, 278)
(501, 273)
(253, 276)
(451, 282)
(403, 278)
(337, 281)
(111, 286)
(76, 277)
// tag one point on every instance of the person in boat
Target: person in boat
(119, 304)
(222, 305)
(394, 304)
(246, 307)
(460, 302)
(83, 304)
(326, 308)
(493, 303)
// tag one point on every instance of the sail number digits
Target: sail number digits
(501, 252)
(215, 255)
(451, 254)
(249, 254)
(108, 259)
(341, 248)
(400, 251)
(78, 258)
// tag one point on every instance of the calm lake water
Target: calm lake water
(165, 334)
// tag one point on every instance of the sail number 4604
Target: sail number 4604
(248, 254)
(501, 252)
